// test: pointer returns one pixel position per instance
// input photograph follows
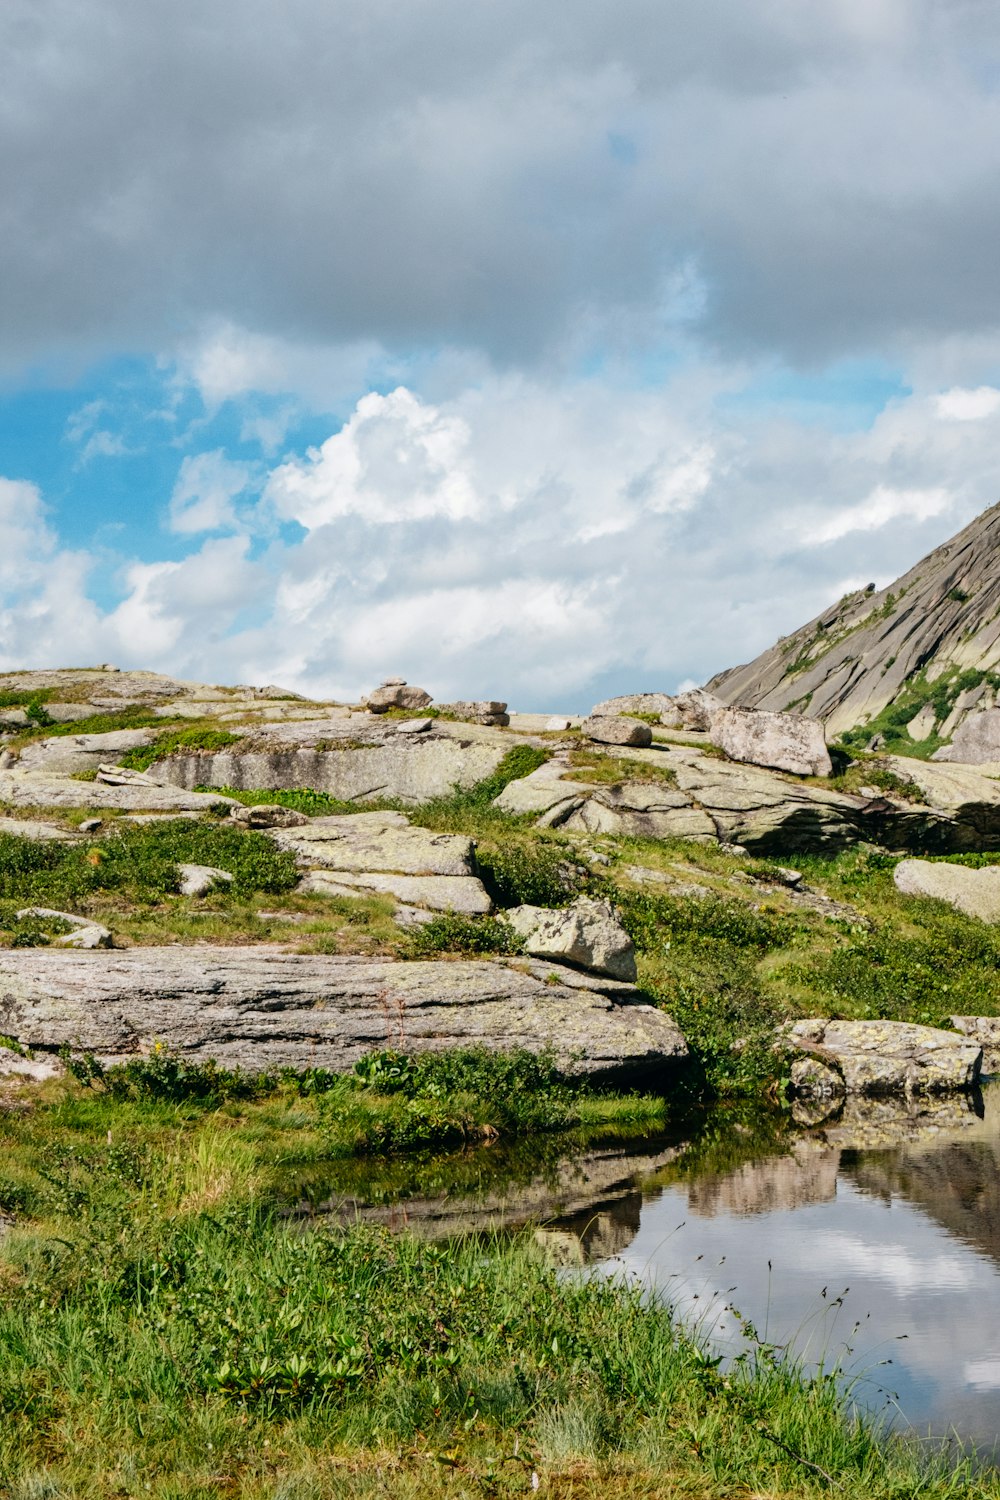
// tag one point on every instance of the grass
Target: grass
(135, 716)
(592, 766)
(198, 739)
(165, 1331)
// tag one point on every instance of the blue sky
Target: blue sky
(530, 353)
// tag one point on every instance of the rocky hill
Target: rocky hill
(909, 662)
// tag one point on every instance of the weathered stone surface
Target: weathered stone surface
(396, 695)
(556, 725)
(464, 894)
(692, 710)
(198, 880)
(28, 828)
(974, 892)
(588, 934)
(34, 789)
(608, 730)
(412, 768)
(985, 1032)
(258, 1008)
(811, 1077)
(68, 754)
(647, 810)
(414, 726)
(543, 791)
(267, 815)
(377, 841)
(86, 933)
(976, 740)
(633, 703)
(487, 711)
(889, 1057)
(782, 742)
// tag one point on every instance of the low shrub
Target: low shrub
(453, 933)
(535, 873)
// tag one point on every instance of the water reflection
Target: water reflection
(870, 1237)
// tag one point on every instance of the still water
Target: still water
(872, 1239)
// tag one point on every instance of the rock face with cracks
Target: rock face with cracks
(256, 1008)
(881, 1057)
(587, 933)
(782, 742)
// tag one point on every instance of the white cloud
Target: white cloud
(878, 509)
(203, 495)
(396, 459)
(969, 406)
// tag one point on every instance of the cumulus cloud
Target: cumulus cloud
(203, 495)
(44, 609)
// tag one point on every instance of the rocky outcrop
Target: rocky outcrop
(37, 789)
(586, 933)
(633, 703)
(605, 729)
(974, 892)
(381, 853)
(976, 741)
(880, 1057)
(199, 880)
(693, 710)
(485, 711)
(258, 1008)
(396, 692)
(984, 1031)
(69, 754)
(861, 654)
(781, 742)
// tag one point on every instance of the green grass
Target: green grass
(135, 716)
(164, 1332)
(135, 865)
(196, 739)
(592, 766)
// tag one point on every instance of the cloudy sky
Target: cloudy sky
(533, 351)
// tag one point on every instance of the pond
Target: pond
(871, 1239)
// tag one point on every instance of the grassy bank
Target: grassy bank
(164, 1332)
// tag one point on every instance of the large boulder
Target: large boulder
(408, 768)
(693, 710)
(588, 934)
(782, 742)
(483, 711)
(985, 1032)
(259, 1008)
(974, 892)
(976, 741)
(608, 730)
(880, 1057)
(396, 693)
(633, 703)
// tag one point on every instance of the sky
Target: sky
(533, 352)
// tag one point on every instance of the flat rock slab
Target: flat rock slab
(37, 789)
(68, 754)
(464, 894)
(259, 1008)
(28, 828)
(974, 892)
(378, 841)
(408, 767)
(881, 1057)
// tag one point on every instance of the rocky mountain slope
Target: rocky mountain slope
(909, 661)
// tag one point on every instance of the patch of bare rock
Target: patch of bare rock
(257, 1008)
(880, 1057)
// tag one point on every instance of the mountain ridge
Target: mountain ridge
(910, 660)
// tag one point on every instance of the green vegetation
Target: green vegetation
(600, 769)
(165, 1331)
(133, 717)
(311, 804)
(195, 739)
(942, 694)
